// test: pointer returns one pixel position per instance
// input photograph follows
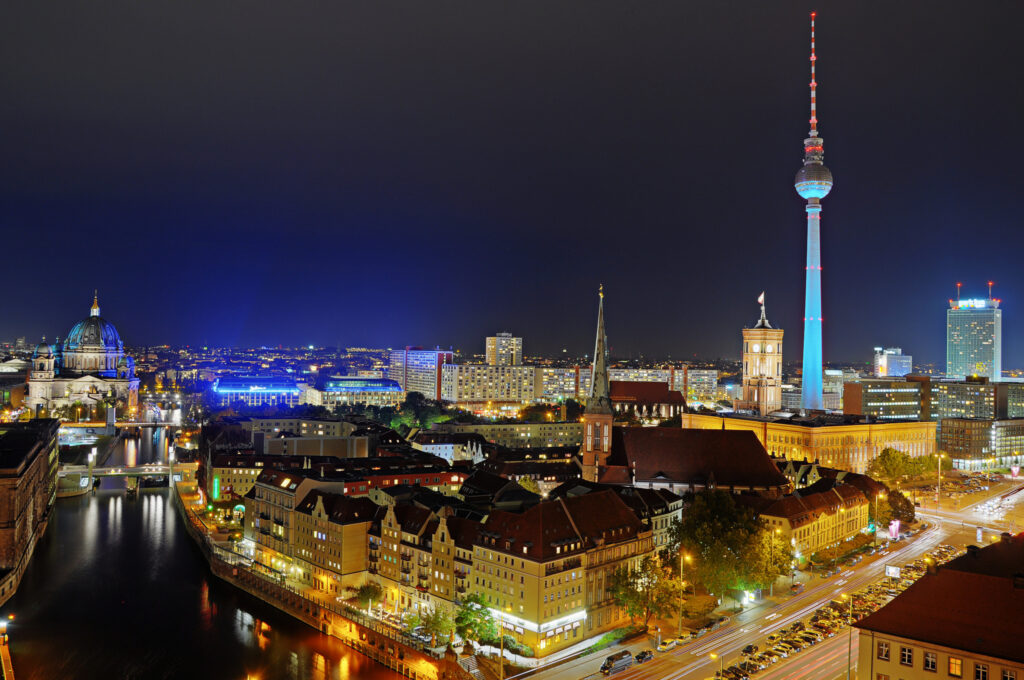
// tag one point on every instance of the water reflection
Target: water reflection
(116, 590)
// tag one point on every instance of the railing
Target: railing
(564, 565)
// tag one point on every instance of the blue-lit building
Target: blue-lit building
(974, 339)
(253, 390)
(354, 390)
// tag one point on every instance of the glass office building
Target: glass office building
(974, 339)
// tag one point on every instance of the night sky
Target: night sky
(392, 173)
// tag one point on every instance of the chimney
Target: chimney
(973, 551)
(1005, 537)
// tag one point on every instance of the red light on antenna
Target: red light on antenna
(814, 14)
(991, 283)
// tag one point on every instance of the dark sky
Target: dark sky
(424, 172)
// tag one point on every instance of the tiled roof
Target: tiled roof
(645, 393)
(561, 527)
(974, 612)
(340, 509)
(731, 458)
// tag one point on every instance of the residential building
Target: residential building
(476, 385)
(701, 385)
(891, 362)
(522, 435)
(658, 509)
(330, 544)
(961, 620)
(504, 350)
(840, 441)
(554, 384)
(28, 485)
(545, 573)
(419, 370)
(974, 338)
(813, 519)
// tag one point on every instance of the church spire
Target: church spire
(600, 400)
(95, 311)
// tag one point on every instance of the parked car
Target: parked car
(750, 649)
(667, 645)
(645, 655)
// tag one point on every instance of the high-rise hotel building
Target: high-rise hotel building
(504, 350)
(974, 339)
(419, 370)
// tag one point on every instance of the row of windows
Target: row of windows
(954, 665)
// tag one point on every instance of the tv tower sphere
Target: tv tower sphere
(813, 180)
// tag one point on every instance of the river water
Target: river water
(117, 589)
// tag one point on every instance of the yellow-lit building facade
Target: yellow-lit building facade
(845, 446)
(819, 520)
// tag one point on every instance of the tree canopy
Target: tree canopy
(647, 591)
(473, 620)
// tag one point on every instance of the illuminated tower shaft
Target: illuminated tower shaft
(813, 182)
(810, 396)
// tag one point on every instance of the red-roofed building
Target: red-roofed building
(646, 400)
(545, 571)
(961, 621)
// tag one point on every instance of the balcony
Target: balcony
(424, 573)
(406, 569)
(564, 565)
(264, 515)
(423, 561)
(406, 557)
(373, 557)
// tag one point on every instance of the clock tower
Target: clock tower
(762, 367)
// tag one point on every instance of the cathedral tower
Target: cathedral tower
(762, 366)
(597, 418)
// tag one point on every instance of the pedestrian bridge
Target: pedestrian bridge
(122, 424)
(149, 470)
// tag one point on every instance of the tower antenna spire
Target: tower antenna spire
(990, 290)
(958, 291)
(814, 84)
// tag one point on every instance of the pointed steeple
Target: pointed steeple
(95, 311)
(600, 399)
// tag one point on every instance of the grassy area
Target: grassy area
(614, 636)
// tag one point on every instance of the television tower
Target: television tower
(813, 182)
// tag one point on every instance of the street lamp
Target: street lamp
(92, 461)
(849, 638)
(683, 557)
(874, 536)
(938, 479)
(771, 588)
(721, 663)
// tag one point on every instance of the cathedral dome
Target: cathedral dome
(93, 331)
(43, 350)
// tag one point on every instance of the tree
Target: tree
(767, 558)
(902, 508)
(890, 464)
(438, 623)
(881, 521)
(412, 622)
(647, 591)
(473, 620)
(699, 606)
(367, 593)
(716, 532)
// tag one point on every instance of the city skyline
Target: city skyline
(348, 236)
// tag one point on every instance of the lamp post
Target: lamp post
(771, 588)
(721, 663)
(683, 558)
(849, 638)
(874, 536)
(938, 477)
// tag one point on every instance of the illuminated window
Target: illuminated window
(956, 667)
(883, 651)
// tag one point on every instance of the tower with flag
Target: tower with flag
(762, 367)
(813, 183)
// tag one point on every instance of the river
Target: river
(117, 589)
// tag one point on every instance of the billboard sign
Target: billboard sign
(980, 536)
(894, 530)
(892, 571)
(1014, 470)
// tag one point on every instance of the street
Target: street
(825, 660)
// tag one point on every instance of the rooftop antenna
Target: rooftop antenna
(990, 290)
(814, 84)
(958, 292)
